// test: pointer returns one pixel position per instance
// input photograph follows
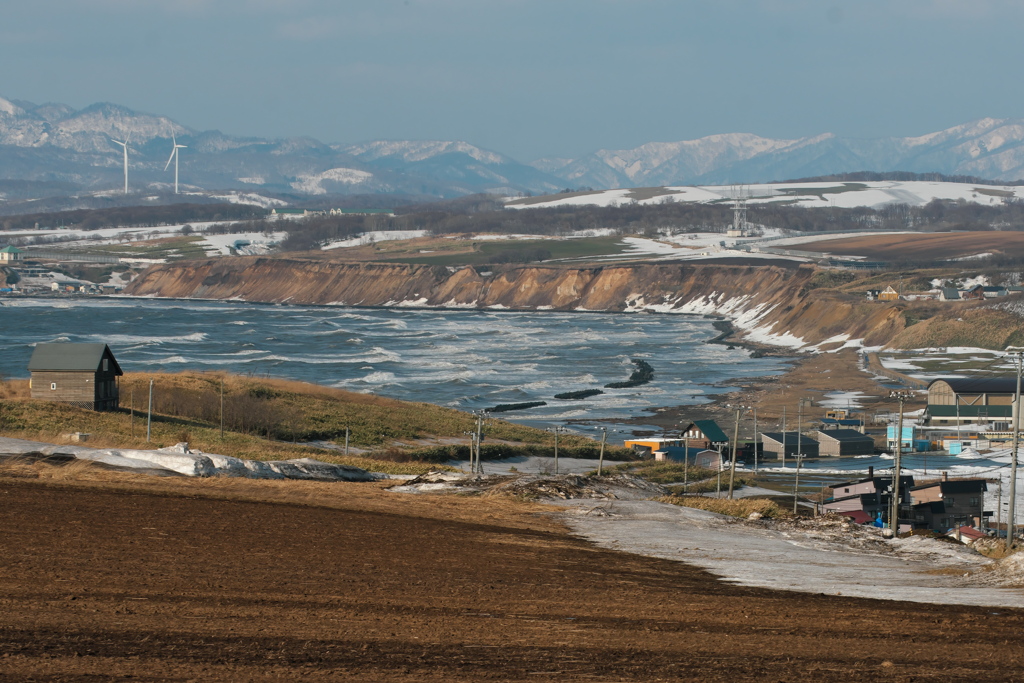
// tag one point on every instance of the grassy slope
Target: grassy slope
(290, 410)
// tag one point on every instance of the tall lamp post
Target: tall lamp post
(1011, 512)
(799, 447)
(557, 431)
(735, 444)
(600, 458)
(894, 512)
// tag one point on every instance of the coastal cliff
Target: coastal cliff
(768, 304)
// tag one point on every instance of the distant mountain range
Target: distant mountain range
(67, 151)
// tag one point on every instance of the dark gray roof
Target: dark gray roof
(980, 385)
(845, 435)
(957, 486)
(70, 358)
(951, 293)
(790, 438)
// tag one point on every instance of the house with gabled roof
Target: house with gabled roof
(889, 294)
(946, 503)
(83, 375)
(844, 442)
(705, 434)
(778, 445)
(10, 254)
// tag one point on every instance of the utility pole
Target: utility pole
(1011, 512)
(221, 408)
(686, 462)
(718, 489)
(783, 436)
(894, 512)
(149, 415)
(999, 507)
(346, 441)
(735, 442)
(479, 438)
(557, 430)
(755, 440)
(472, 450)
(131, 415)
(799, 448)
(600, 458)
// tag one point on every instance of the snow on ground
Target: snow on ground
(313, 184)
(576, 234)
(849, 561)
(251, 198)
(843, 399)
(535, 465)
(182, 461)
(817, 194)
(259, 242)
(375, 236)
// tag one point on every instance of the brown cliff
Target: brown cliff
(772, 304)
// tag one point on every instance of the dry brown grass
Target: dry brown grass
(742, 507)
(14, 389)
(366, 496)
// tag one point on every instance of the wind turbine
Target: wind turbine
(124, 145)
(174, 155)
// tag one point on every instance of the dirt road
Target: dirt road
(100, 584)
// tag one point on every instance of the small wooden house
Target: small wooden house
(844, 442)
(889, 294)
(787, 444)
(705, 434)
(9, 255)
(942, 504)
(84, 375)
(698, 457)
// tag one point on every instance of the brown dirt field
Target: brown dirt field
(131, 578)
(931, 246)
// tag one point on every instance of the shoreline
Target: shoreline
(737, 390)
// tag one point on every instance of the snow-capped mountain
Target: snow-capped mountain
(65, 147)
(54, 142)
(987, 148)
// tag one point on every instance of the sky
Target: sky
(527, 78)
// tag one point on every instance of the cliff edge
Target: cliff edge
(771, 305)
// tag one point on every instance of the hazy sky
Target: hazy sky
(528, 78)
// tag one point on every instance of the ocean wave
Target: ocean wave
(112, 339)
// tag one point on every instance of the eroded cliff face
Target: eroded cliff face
(770, 304)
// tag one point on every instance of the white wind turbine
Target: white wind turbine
(124, 145)
(174, 156)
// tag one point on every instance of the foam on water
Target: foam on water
(467, 358)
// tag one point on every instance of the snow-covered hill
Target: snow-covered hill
(838, 194)
(987, 148)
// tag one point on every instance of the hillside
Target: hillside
(270, 419)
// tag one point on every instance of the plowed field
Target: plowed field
(100, 584)
(922, 247)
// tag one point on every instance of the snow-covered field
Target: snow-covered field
(375, 236)
(821, 194)
(834, 561)
(179, 460)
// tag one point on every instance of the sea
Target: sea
(465, 359)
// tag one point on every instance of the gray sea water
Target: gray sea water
(462, 359)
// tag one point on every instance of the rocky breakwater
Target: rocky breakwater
(768, 304)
